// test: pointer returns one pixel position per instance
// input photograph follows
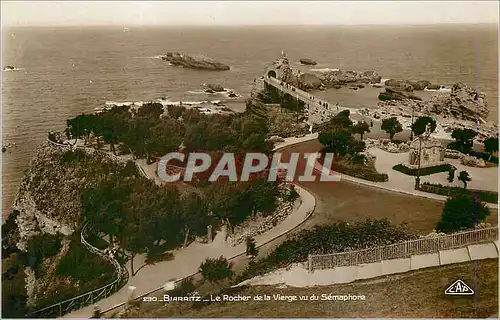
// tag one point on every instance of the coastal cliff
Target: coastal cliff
(44, 241)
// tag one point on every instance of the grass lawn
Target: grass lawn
(417, 294)
(348, 201)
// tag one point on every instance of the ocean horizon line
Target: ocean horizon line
(496, 24)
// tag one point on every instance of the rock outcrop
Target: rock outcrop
(408, 85)
(335, 78)
(308, 62)
(216, 87)
(456, 110)
(309, 81)
(420, 84)
(472, 161)
(194, 61)
(403, 85)
(453, 154)
(463, 103)
(387, 145)
(393, 94)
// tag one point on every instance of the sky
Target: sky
(130, 13)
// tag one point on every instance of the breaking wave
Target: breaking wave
(324, 69)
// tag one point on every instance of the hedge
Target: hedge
(483, 195)
(423, 171)
(324, 239)
(360, 172)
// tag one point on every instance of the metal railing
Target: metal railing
(403, 249)
(85, 299)
(316, 105)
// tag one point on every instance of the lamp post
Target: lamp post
(417, 178)
(411, 129)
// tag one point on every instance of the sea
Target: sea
(61, 72)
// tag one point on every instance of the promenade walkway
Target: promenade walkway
(299, 276)
(150, 278)
(319, 110)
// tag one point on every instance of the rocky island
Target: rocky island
(308, 62)
(194, 61)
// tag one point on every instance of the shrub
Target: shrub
(461, 212)
(251, 247)
(81, 264)
(391, 126)
(464, 177)
(451, 175)
(483, 195)
(290, 195)
(183, 288)
(423, 171)
(324, 239)
(360, 171)
(14, 296)
(216, 270)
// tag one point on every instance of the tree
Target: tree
(104, 206)
(461, 212)
(165, 137)
(491, 146)
(216, 270)
(175, 112)
(251, 247)
(451, 174)
(335, 141)
(342, 121)
(391, 126)
(354, 149)
(230, 202)
(361, 128)
(194, 216)
(133, 240)
(150, 109)
(463, 140)
(80, 126)
(464, 177)
(420, 125)
(264, 195)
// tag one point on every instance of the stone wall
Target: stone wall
(262, 224)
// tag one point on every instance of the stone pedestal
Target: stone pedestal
(430, 150)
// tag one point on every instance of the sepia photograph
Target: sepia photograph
(249, 159)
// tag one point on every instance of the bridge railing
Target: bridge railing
(61, 308)
(403, 249)
(298, 93)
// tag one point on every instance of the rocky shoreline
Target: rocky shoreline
(462, 108)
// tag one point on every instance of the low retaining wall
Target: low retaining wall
(401, 250)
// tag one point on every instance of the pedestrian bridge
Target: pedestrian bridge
(318, 110)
